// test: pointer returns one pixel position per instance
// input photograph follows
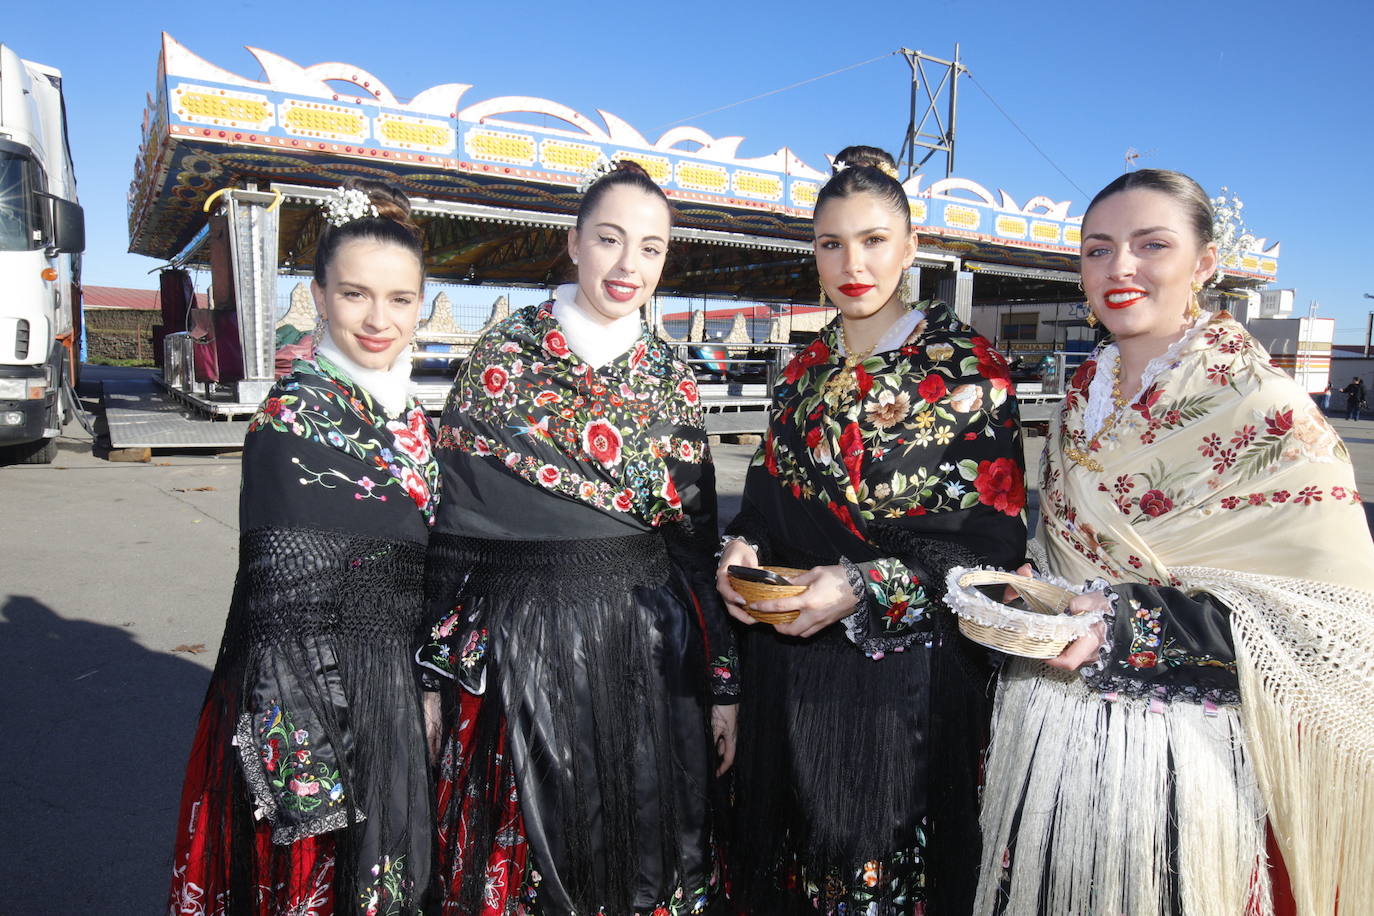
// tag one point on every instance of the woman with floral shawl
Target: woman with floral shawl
(893, 453)
(307, 792)
(570, 577)
(1232, 673)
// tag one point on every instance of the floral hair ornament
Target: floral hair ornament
(348, 204)
(839, 165)
(596, 171)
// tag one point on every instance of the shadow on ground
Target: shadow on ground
(96, 731)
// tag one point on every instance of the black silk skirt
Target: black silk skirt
(856, 779)
(594, 693)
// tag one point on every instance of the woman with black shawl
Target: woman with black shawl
(307, 791)
(893, 454)
(571, 585)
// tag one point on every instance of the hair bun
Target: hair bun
(391, 202)
(634, 168)
(865, 156)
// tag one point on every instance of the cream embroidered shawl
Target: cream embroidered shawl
(1223, 477)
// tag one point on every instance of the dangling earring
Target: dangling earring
(320, 330)
(1194, 306)
(904, 290)
(822, 299)
(1091, 318)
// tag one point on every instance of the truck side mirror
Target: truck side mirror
(68, 226)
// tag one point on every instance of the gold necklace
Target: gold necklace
(1084, 456)
(842, 383)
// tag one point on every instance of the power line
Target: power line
(1024, 134)
(764, 95)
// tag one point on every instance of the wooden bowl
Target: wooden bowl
(762, 591)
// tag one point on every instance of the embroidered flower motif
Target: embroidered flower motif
(624, 500)
(1256, 499)
(1244, 436)
(932, 388)
(991, 365)
(939, 352)
(1280, 422)
(852, 453)
(1308, 495)
(889, 409)
(494, 380)
(670, 492)
(550, 475)
(410, 440)
(1154, 503)
(841, 512)
(813, 355)
(415, 486)
(688, 389)
(966, 398)
(1280, 496)
(1219, 373)
(1211, 444)
(1083, 377)
(1143, 659)
(556, 344)
(602, 441)
(1001, 485)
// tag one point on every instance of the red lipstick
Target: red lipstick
(620, 292)
(373, 344)
(1123, 298)
(855, 290)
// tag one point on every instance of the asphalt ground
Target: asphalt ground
(116, 578)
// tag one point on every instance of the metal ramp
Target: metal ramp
(140, 414)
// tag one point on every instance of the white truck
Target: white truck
(42, 235)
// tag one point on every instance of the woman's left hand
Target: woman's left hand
(828, 598)
(1083, 649)
(724, 729)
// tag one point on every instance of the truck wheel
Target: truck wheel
(41, 452)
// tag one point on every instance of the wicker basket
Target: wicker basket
(1016, 633)
(762, 591)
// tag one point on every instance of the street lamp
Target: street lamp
(1368, 328)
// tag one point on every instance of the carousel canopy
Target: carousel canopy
(494, 194)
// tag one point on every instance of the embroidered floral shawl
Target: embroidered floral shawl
(622, 438)
(921, 459)
(1223, 477)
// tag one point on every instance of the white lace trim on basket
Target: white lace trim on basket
(971, 604)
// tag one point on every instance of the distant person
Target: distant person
(1354, 398)
(308, 785)
(1324, 399)
(1213, 511)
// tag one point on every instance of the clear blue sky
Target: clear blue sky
(1272, 99)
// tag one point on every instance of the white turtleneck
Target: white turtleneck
(595, 343)
(390, 388)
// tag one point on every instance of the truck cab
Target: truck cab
(42, 233)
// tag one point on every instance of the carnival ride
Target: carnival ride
(231, 172)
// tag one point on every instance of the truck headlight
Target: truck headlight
(21, 389)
